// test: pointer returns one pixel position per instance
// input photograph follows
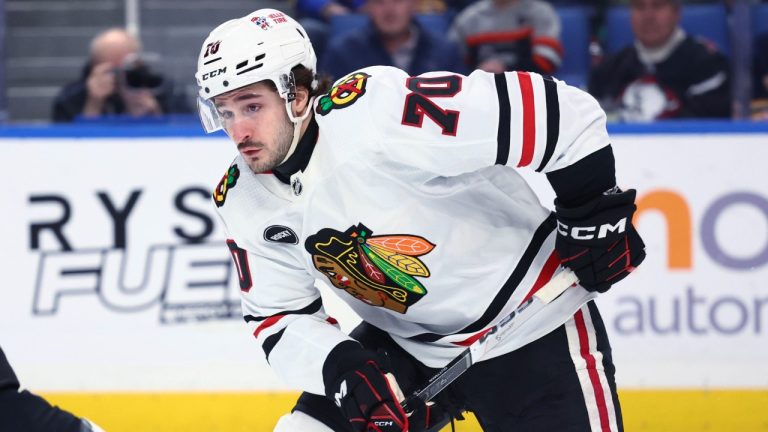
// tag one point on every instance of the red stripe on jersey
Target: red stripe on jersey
(470, 340)
(529, 119)
(547, 271)
(602, 409)
(269, 322)
(332, 320)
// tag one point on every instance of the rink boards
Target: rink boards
(120, 299)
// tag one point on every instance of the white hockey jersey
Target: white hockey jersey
(403, 194)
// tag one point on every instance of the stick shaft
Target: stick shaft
(550, 291)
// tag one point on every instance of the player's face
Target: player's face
(256, 120)
(653, 21)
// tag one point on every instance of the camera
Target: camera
(141, 76)
(136, 74)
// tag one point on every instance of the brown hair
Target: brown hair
(303, 77)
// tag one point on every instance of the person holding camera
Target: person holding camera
(117, 81)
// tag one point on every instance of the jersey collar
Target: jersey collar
(300, 158)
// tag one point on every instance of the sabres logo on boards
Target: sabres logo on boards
(346, 91)
(377, 270)
(227, 182)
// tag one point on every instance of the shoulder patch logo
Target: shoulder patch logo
(378, 270)
(280, 234)
(345, 93)
(227, 182)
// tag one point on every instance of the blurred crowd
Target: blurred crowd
(660, 70)
(117, 81)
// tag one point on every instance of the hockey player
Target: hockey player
(24, 411)
(402, 192)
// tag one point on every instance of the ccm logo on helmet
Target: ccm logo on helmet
(214, 73)
(588, 232)
(384, 423)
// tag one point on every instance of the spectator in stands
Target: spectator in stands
(447, 7)
(503, 35)
(760, 82)
(324, 10)
(665, 73)
(116, 81)
(394, 38)
(316, 15)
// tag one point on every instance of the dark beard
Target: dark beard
(283, 139)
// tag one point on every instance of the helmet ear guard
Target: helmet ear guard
(288, 87)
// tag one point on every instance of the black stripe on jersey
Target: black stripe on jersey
(501, 299)
(553, 120)
(309, 310)
(502, 137)
(270, 342)
(602, 343)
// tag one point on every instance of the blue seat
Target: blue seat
(342, 24)
(706, 20)
(575, 41)
(436, 23)
(760, 19)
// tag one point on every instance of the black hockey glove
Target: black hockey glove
(370, 399)
(598, 241)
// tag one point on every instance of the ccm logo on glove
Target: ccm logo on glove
(588, 232)
(597, 239)
(370, 397)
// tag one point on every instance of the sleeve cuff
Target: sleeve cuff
(586, 179)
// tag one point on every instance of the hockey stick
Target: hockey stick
(550, 291)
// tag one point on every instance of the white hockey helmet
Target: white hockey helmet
(263, 45)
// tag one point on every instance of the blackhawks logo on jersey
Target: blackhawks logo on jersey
(344, 93)
(227, 182)
(378, 270)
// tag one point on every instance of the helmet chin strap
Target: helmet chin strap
(297, 122)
